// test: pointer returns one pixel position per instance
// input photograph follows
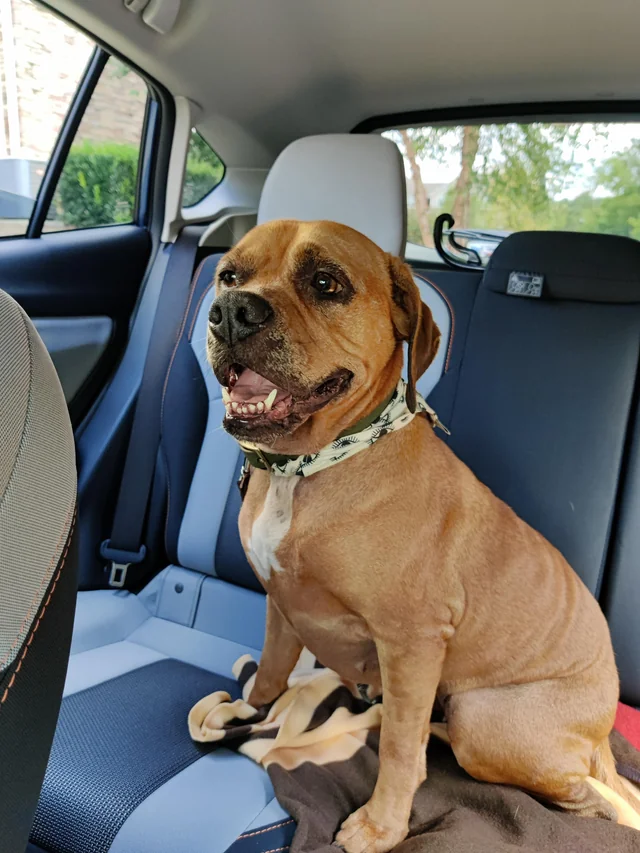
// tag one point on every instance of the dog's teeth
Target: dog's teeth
(235, 406)
(268, 403)
(226, 396)
(245, 410)
(260, 408)
(252, 408)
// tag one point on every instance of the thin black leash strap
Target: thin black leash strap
(125, 546)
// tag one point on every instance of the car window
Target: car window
(98, 182)
(498, 178)
(43, 60)
(203, 172)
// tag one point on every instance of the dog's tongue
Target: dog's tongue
(250, 387)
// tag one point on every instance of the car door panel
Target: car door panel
(84, 284)
(75, 345)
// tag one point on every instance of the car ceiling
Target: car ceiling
(265, 72)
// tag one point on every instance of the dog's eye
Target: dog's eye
(228, 277)
(326, 284)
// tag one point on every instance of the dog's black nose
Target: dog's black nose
(235, 315)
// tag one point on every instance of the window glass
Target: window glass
(498, 178)
(203, 172)
(98, 182)
(42, 61)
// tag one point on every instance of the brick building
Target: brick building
(42, 59)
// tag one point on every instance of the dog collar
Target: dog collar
(391, 415)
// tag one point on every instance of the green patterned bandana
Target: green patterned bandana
(394, 416)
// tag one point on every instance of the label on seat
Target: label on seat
(525, 284)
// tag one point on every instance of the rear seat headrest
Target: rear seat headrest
(355, 180)
(566, 265)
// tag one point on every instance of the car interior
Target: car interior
(245, 113)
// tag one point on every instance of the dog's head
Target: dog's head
(306, 330)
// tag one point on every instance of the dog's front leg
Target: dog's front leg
(410, 677)
(280, 654)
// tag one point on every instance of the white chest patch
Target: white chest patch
(272, 525)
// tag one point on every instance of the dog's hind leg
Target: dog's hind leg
(533, 736)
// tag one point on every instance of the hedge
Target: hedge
(98, 184)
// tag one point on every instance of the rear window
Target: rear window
(498, 178)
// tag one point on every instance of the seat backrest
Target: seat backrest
(38, 573)
(622, 591)
(542, 402)
(356, 180)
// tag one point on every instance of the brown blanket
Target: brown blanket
(319, 745)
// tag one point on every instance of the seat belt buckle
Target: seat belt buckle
(119, 562)
(118, 574)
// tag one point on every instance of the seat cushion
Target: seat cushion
(123, 773)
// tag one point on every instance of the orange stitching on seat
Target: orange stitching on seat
(36, 597)
(182, 325)
(197, 311)
(276, 850)
(196, 278)
(267, 829)
(453, 317)
(40, 617)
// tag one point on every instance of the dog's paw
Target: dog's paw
(360, 834)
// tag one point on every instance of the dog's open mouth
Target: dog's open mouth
(256, 400)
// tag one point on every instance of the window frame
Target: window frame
(157, 129)
(62, 146)
(67, 135)
(570, 111)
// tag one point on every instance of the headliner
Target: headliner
(265, 72)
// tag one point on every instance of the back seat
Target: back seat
(541, 404)
(537, 393)
(622, 592)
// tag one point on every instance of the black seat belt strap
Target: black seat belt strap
(125, 547)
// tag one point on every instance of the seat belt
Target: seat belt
(125, 546)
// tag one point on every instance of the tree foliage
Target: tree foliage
(518, 176)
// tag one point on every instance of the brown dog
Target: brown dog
(396, 567)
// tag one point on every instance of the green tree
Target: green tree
(417, 144)
(619, 176)
(520, 170)
(510, 175)
(611, 204)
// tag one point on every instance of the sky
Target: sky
(590, 154)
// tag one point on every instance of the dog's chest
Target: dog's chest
(272, 525)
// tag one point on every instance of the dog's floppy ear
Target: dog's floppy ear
(413, 322)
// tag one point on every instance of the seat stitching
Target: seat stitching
(166, 519)
(33, 604)
(266, 829)
(277, 849)
(40, 617)
(27, 414)
(196, 279)
(197, 311)
(451, 312)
